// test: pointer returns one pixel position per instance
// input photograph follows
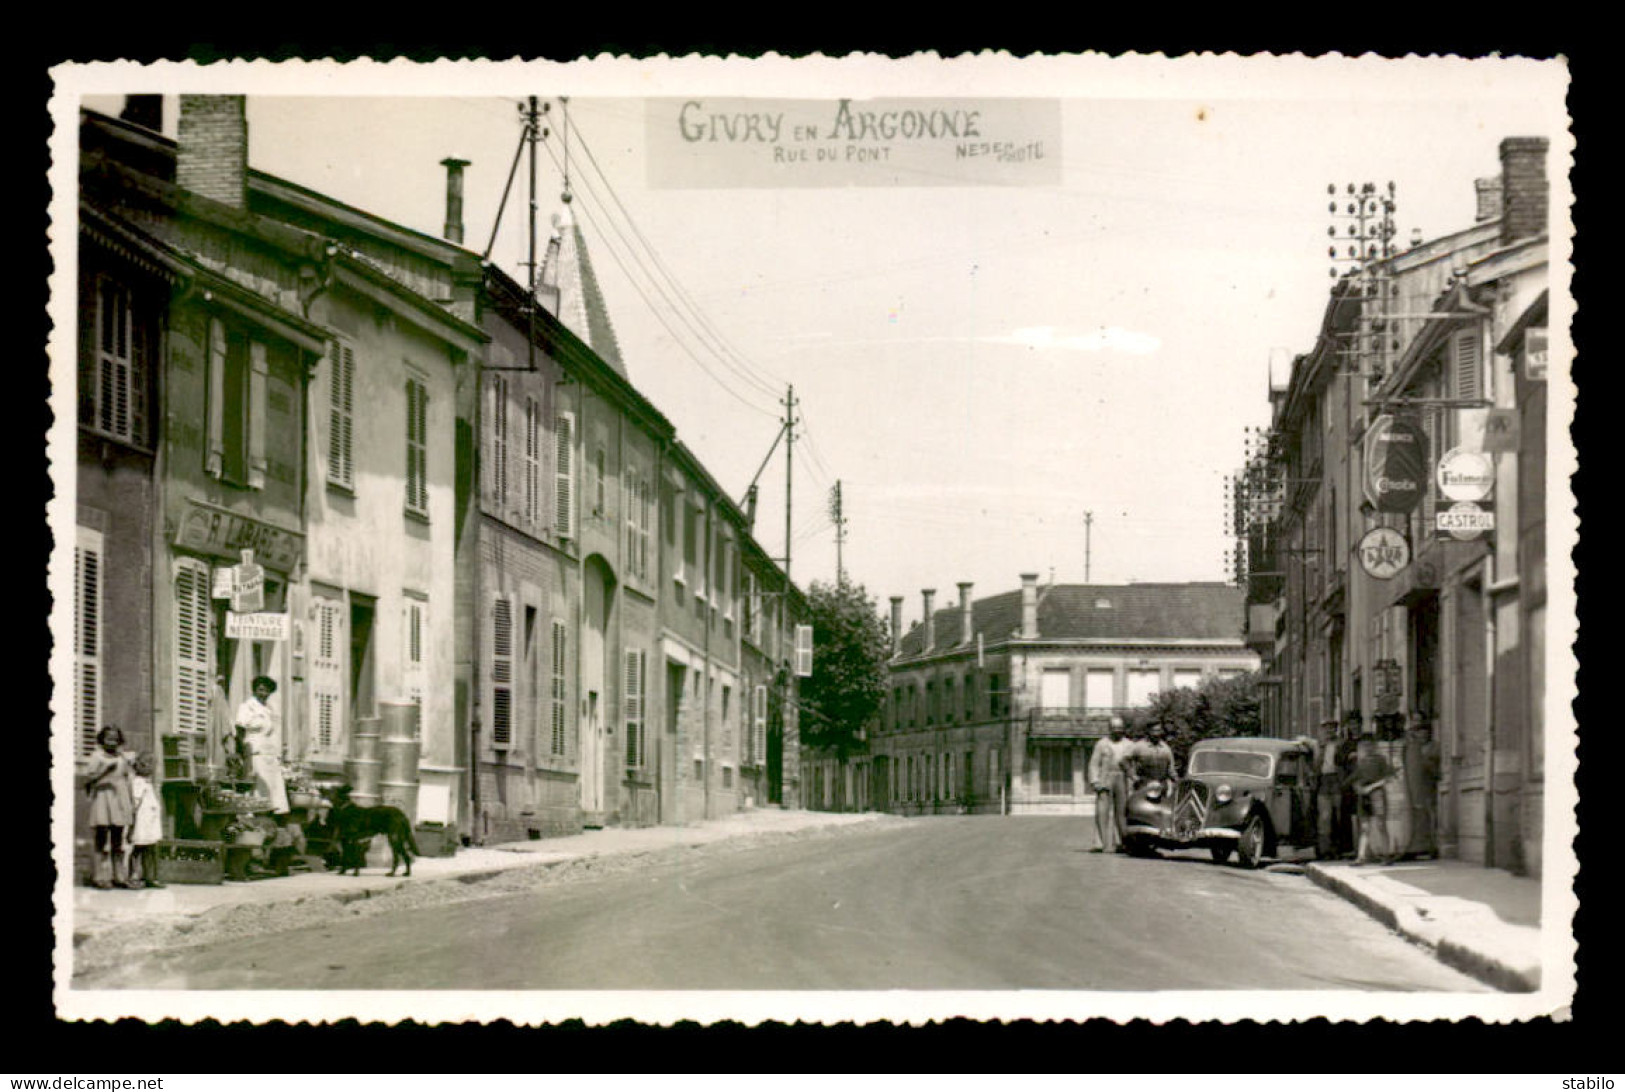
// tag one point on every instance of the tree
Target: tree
(848, 682)
(1220, 706)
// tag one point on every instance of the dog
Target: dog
(354, 828)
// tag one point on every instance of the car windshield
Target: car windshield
(1248, 763)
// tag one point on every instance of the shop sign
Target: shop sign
(1464, 521)
(1384, 553)
(223, 577)
(1465, 475)
(1387, 684)
(1534, 354)
(258, 626)
(248, 585)
(1502, 431)
(1395, 464)
(217, 533)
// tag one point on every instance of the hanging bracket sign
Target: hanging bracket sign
(1384, 553)
(1465, 475)
(1396, 458)
(258, 626)
(248, 585)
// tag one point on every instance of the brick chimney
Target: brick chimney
(929, 594)
(1524, 189)
(146, 111)
(967, 620)
(1488, 191)
(454, 199)
(211, 155)
(896, 624)
(1029, 605)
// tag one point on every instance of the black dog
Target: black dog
(354, 828)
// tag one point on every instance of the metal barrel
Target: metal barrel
(363, 774)
(364, 740)
(403, 795)
(400, 747)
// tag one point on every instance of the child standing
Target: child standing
(107, 781)
(147, 828)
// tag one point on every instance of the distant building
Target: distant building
(993, 705)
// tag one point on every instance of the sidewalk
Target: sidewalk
(1482, 921)
(152, 919)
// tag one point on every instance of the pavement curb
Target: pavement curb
(1378, 897)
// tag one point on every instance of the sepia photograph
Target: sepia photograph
(826, 539)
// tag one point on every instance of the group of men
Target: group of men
(1352, 792)
(1121, 763)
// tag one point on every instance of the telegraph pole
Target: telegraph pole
(838, 517)
(789, 405)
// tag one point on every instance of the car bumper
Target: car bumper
(1205, 834)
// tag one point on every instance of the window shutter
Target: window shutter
(499, 443)
(341, 417)
(759, 728)
(327, 677)
(501, 673)
(564, 476)
(87, 643)
(558, 687)
(533, 460)
(115, 359)
(417, 446)
(632, 697)
(412, 678)
(215, 459)
(258, 373)
(193, 654)
(1465, 366)
(804, 650)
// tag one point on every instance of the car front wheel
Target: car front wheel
(1250, 846)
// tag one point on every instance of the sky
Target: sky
(978, 363)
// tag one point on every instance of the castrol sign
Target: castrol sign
(1396, 464)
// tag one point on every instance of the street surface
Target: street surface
(962, 902)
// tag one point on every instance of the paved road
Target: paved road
(934, 904)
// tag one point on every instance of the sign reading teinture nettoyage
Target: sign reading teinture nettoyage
(1384, 553)
(260, 626)
(1396, 464)
(709, 143)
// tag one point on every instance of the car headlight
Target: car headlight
(1223, 794)
(1153, 791)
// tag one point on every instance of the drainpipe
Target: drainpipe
(476, 682)
(1488, 606)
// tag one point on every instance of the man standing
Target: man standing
(1153, 759)
(1421, 758)
(1106, 775)
(1371, 776)
(1328, 793)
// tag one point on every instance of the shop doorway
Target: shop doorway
(363, 702)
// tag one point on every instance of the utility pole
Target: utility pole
(838, 518)
(789, 405)
(1088, 524)
(789, 666)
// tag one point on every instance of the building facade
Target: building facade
(994, 705)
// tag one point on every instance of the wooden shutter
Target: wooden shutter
(557, 692)
(499, 443)
(215, 459)
(416, 622)
(758, 748)
(114, 359)
(533, 460)
(194, 667)
(632, 702)
(258, 373)
(417, 446)
(341, 417)
(501, 673)
(564, 476)
(87, 640)
(327, 677)
(1466, 368)
(804, 650)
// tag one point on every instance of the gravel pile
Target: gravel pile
(144, 937)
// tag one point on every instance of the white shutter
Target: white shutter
(632, 701)
(417, 446)
(258, 372)
(759, 726)
(564, 476)
(1466, 368)
(557, 692)
(194, 657)
(533, 460)
(215, 460)
(804, 650)
(416, 622)
(499, 443)
(501, 673)
(327, 678)
(115, 356)
(341, 416)
(87, 641)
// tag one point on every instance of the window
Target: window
(1055, 771)
(87, 638)
(557, 691)
(950, 700)
(533, 461)
(113, 399)
(1142, 683)
(1055, 688)
(727, 724)
(639, 521)
(341, 416)
(727, 777)
(238, 370)
(600, 502)
(633, 707)
(496, 427)
(416, 628)
(194, 650)
(417, 447)
(998, 702)
(753, 605)
(1099, 684)
(930, 703)
(564, 476)
(967, 696)
(1187, 679)
(1466, 368)
(501, 673)
(759, 726)
(690, 566)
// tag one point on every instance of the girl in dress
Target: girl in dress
(147, 828)
(107, 781)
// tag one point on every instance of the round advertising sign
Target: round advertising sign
(1465, 521)
(1395, 464)
(1465, 475)
(1384, 552)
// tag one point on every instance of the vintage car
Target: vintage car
(1243, 796)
